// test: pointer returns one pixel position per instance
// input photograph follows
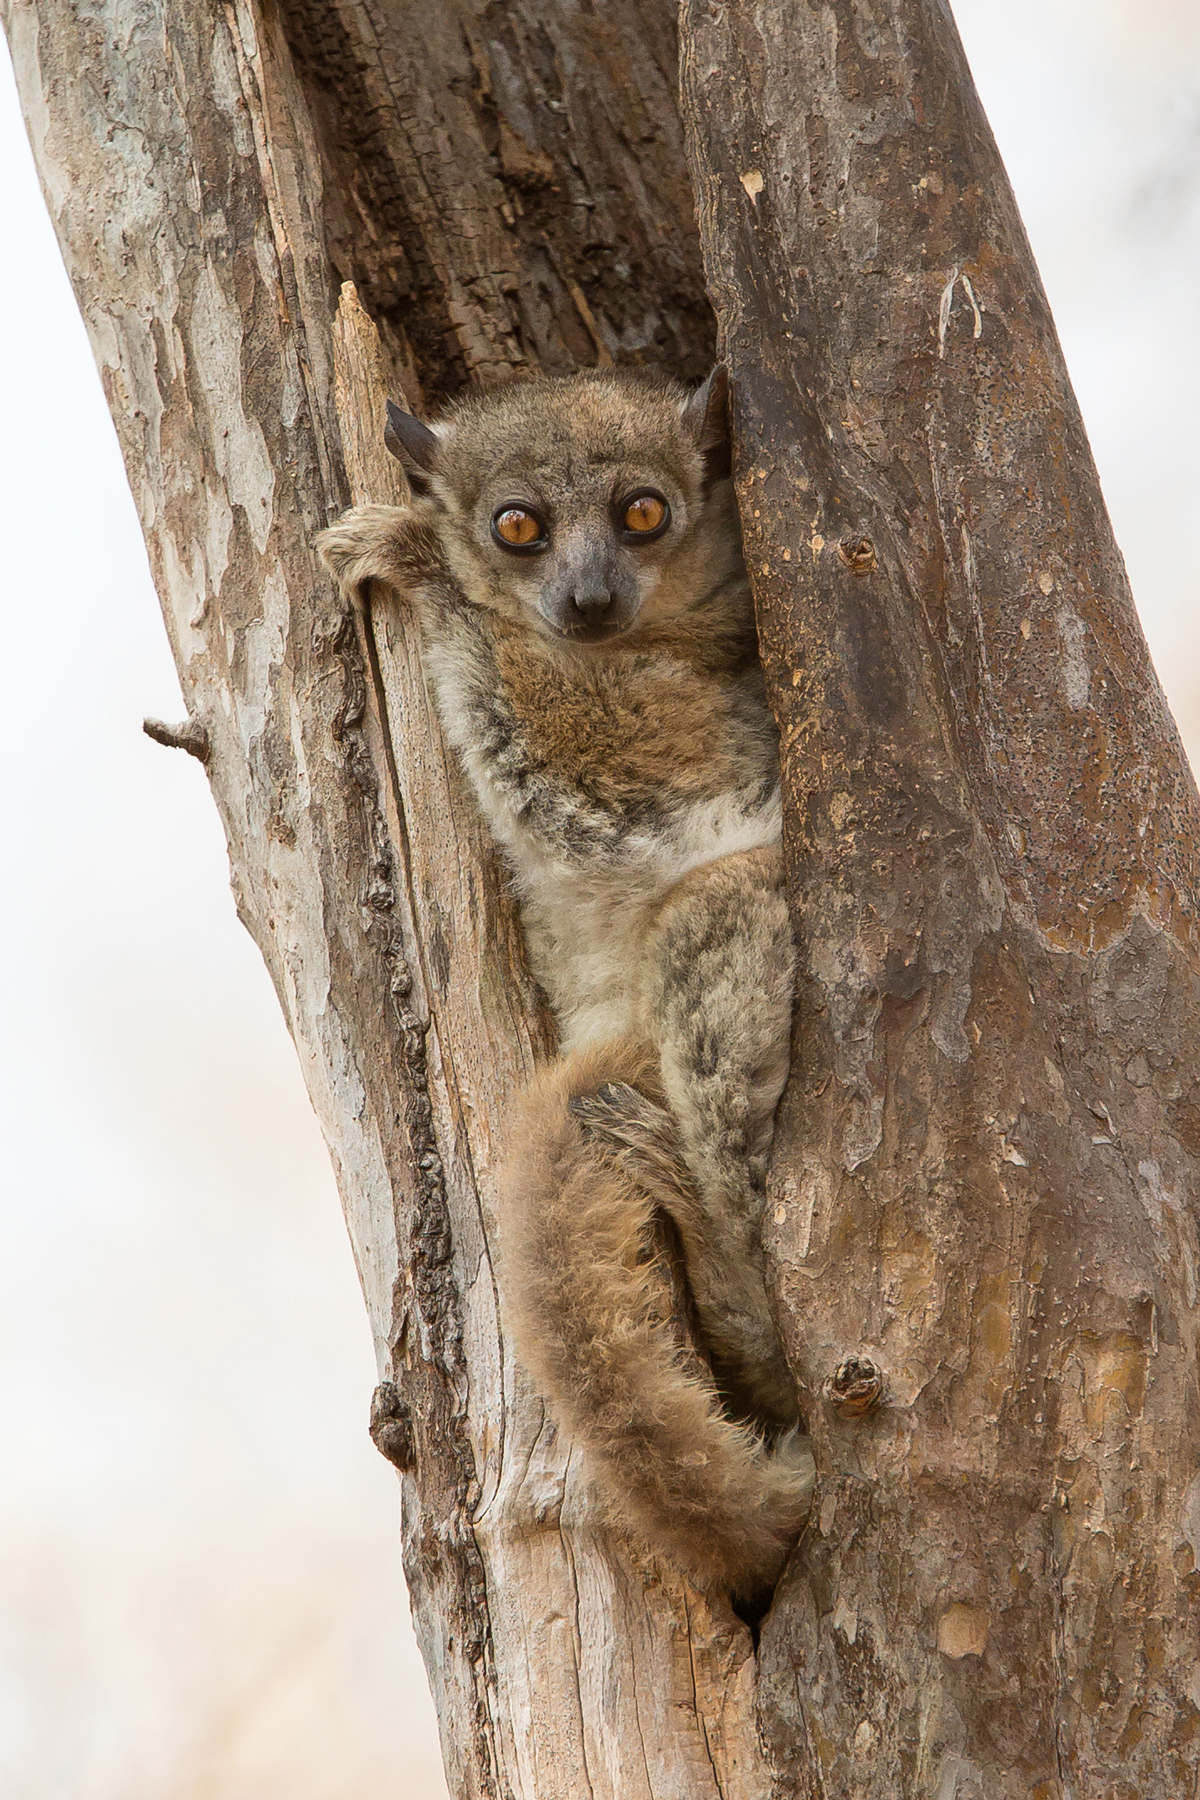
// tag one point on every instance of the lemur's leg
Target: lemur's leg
(594, 1314)
(721, 965)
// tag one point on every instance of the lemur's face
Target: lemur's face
(579, 541)
(570, 504)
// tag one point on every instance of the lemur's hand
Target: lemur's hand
(396, 545)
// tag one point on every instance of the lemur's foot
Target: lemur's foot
(637, 1134)
(641, 1139)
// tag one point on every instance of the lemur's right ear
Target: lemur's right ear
(411, 442)
(705, 415)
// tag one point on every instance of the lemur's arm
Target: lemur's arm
(720, 974)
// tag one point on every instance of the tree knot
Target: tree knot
(855, 1386)
(392, 1426)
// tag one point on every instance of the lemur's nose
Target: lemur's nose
(592, 605)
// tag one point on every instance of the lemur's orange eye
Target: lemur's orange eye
(517, 528)
(645, 513)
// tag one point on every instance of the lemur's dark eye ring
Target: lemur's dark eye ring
(517, 528)
(644, 515)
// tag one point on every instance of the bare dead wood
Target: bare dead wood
(987, 1168)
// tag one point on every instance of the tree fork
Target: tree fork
(986, 1167)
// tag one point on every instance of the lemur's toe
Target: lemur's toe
(610, 1108)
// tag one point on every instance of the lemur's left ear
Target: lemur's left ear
(410, 442)
(706, 416)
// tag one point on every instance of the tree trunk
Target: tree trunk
(987, 1162)
(993, 1121)
(505, 193)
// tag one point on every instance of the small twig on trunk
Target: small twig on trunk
(191, 736)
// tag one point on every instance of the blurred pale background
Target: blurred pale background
(200, 1586)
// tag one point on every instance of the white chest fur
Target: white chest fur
(587, 922)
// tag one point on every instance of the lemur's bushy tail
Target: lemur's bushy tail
(595, 1320)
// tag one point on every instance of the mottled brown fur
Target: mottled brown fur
(633, 730)
(721, 1500)
(627, 763)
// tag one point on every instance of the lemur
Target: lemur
(572, 554)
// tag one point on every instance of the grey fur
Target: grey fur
(627, 764)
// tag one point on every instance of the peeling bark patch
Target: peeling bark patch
(242, 460)
(962, 1631)
(1077, 676)
(959, 1779)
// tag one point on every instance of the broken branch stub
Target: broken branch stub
(191, 736)
(991, 847)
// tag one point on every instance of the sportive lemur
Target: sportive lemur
(572, 553)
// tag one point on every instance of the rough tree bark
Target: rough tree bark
(989, 1153)
(985, 1162)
